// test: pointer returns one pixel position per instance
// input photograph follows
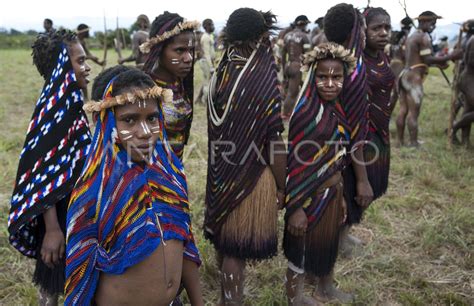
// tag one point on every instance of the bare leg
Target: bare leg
(326, 291)
(402, 117)
(295, 289)
(294, 81)
(347, 242)
(414, 98)
(232, 280)
(46, 299)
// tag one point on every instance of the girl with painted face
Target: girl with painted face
(318, 138)
(129, 228)
(55, 147)
(170, 63)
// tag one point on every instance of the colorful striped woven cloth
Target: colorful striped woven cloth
(57, 140)
(380, 80)
(317, 140)
(120, 211)
(354, 93)
(243, 117)
(178, 117)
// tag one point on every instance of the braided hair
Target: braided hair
(163, 23)
(46, 49)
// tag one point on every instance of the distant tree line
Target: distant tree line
(14, 39)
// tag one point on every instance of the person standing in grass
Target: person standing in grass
(466, 79)
(56, 144)
(170, 63)
(296, 42)
(419, 57)
(129, 228)
(345, 25)
(247, 156)
(207, 59)
(315, 210)
(380, 80)
(139, 37)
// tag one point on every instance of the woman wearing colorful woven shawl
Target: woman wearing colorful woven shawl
(56, 142)
(380, 79)
(128, 226)
(170, 63)
(345, 25)
(247, 157)
(318, 138)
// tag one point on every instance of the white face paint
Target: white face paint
(320, 84)
(174, 61)
(331, 71)
(155, 130)
(190, 43)
(339, 84)
(145, 128)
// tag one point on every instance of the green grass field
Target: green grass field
(419, 237)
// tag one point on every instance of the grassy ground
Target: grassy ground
(419, 237)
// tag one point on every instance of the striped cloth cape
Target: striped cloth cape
(380, 80)
(57, 140)
(120, 211)
(354, 93)
(243, 117)
(317, 138)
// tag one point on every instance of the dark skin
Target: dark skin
(293, 49)
(174, 64)
(364, 191)
(466, 79)
(235, 267)
(138, 38)
(177, 58)
(418, 51)
(138, 130)
(82, 38)
(329, 83)
(397, 54)
(53, 247)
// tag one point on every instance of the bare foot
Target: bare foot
(347, 245)
(331, 293)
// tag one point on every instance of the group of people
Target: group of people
(107, 214)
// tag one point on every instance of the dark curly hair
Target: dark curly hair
(126, 77)
(246, 24)
(46, 49)
(338, 22)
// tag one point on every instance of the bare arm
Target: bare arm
(136, 45)
(365, 193)
(426, 54)
(191, 282)
(53, 246)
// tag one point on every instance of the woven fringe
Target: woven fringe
(317, 251)
(250, 231)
